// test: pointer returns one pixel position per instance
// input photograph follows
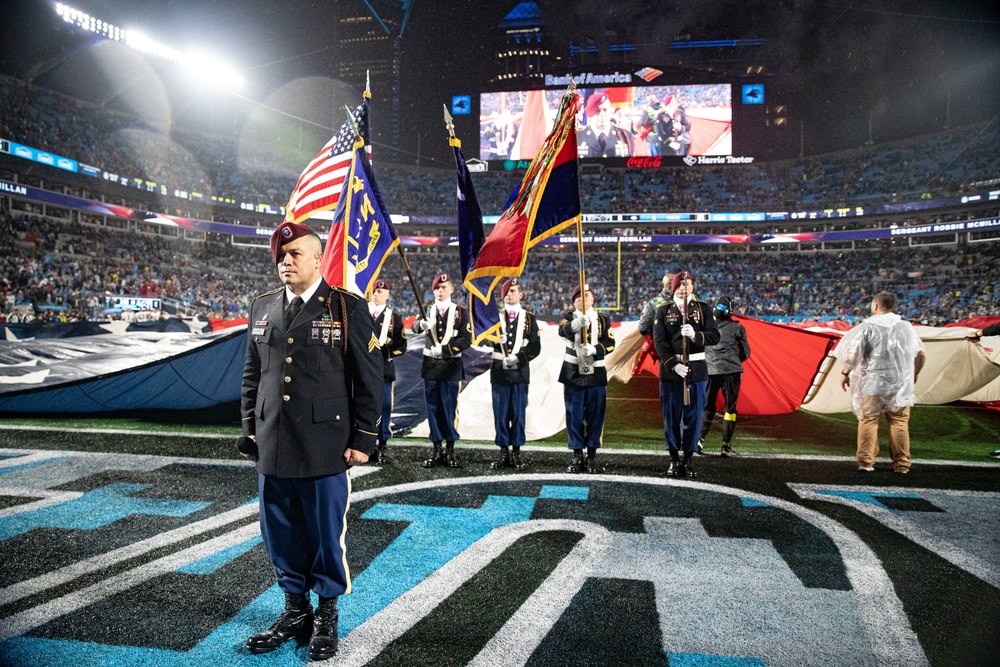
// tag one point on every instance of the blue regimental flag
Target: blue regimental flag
(361, 234)
(485, 314)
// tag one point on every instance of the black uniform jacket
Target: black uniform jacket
(531, 346)
(449, 366)
(304, 396)
(395, 340)
(727, 356)
(605, 343)
(667, 339)
(617, 143)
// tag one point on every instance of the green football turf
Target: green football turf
(960, 432)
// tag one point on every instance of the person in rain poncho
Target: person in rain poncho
(882, 358)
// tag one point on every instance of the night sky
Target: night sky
(835, 64)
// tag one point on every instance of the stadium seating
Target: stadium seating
(64, 268)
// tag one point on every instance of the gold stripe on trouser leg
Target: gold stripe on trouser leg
(454, 425)
(343, 535)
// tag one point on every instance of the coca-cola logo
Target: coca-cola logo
(645, 162)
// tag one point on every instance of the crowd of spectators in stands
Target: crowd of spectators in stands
(934, 285)
(945, 163)
(64, 269)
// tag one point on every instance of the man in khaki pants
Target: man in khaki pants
(882, 358)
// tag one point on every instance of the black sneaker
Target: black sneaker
(727, 449)
(701, 447)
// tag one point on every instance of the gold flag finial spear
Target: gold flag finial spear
(352, 122)
(449, 122)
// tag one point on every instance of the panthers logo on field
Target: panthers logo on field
(152, 560)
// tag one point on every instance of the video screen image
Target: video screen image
(614, 122)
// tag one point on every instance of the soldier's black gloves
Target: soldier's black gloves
(247, 446)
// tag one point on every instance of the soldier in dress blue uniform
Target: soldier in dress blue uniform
(584, 378)
(601, 137)
(682, 423)
(311, 399)
(392, 339)
(449, 332)
(509, 374)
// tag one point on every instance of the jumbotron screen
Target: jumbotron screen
(614, 123)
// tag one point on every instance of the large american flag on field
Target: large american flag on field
(320, 184)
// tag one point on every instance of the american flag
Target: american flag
(319, 186)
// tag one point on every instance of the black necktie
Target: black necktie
(291, 310)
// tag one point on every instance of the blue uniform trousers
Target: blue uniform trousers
(304, 525)
(585, 415)
(510, 401)
(442, 409)
(682, 423)
(384, 433)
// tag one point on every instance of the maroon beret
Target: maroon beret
(286, 233)
(507, 284)
(382, 284)
(440, 278)
(576, 290)
(594, 103)
(676, 282)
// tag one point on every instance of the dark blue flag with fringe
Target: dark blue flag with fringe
(485, 314)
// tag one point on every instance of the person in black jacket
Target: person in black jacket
(310, 402)
(584, 377)
(725, 372)
(449, 332)
(392, 339)
(682, 423)
(509, 374)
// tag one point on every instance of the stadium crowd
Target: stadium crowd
(66, 268)
(54, 269)
(954, 161)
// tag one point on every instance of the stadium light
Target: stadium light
(203, 67)
(208, 69)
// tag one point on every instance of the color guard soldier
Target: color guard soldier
(584, 378)
(392, 339)
(509, 374)
(310, 401)
(684, 317)
(449, 332)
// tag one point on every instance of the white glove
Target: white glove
(579, 323)
(589, 350)
(688, 330)
(510, 361)
(436, 351)
(419, 325)
(682, 370)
